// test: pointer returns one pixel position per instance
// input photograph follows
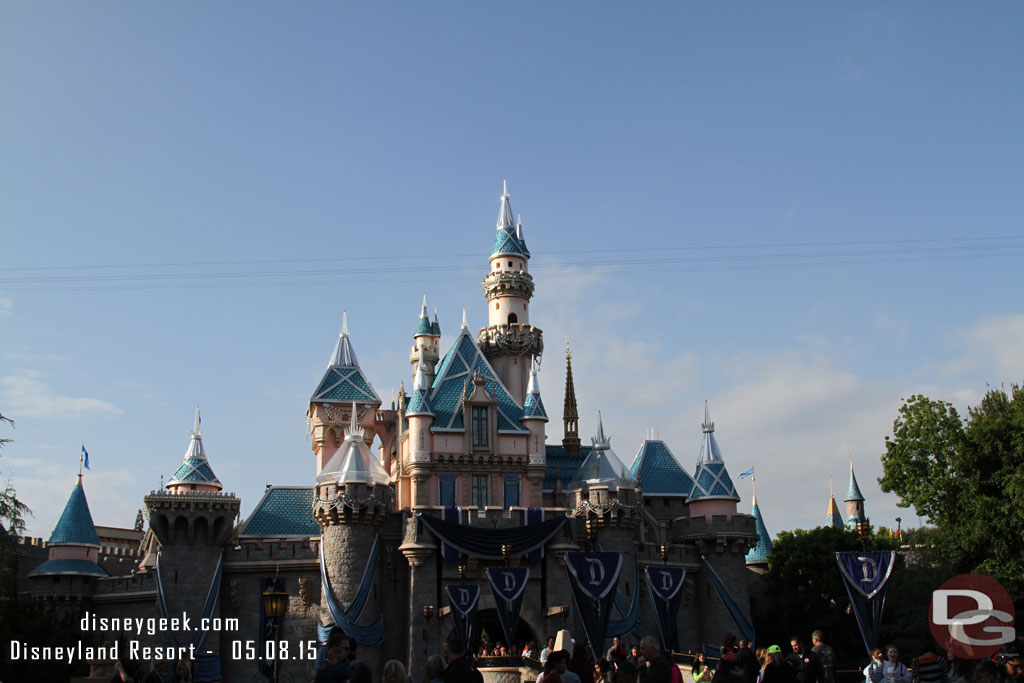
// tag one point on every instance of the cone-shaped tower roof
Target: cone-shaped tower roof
(419, 399)
(344, 381)
(533, 407)
(759, 553)
(832, 517)
(658, 469)
(711, 480)
(75, 526)
(195, 468)
(353, 463)
(853, 491)
(423, 326)
(508, 241)
(435, 327)
(602, 468)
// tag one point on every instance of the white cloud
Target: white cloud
(6, 306)
(21, 357)
(25, 394)
(995, 342)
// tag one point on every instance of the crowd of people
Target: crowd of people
(647, 662)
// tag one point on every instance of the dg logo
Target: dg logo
(971, 616)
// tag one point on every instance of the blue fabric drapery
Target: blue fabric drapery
(450, 554)
(368, 635)
(745, 627)
(507, 586)
(664, 586)
(866, 578)
(486, 543)
(207, 667)
(630, 621)
(464, 599)
(535, 516)
(593, 578)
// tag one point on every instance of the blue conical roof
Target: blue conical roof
(533, 407)
(195, 468)
(344, 382)
(75, 525)
(759, 553)
(711, 480)
(423, 325)
(419, 401)
(509, 240)
(832, 517)
(853, 492)
(659, 472)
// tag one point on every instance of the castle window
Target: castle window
(511, 490)
(513, 319)
(446, 490)
(479, 426)
(480, 490)
(509, 264)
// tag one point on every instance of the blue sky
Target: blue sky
(801, 213)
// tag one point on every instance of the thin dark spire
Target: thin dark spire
(570, 411)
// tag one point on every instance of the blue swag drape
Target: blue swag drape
(206, 667)
(745, 627)
(368, 635)
(486, 543)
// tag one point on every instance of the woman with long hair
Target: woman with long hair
(701, 669)
(394, 672)
(775, 669)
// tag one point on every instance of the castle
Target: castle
(412, 497)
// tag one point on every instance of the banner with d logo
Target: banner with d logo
(866, 577)
(464, 598)
(593, 578)
(508, 585)
(664, 585)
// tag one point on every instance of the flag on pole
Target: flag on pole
(748, 473)
(85, 457)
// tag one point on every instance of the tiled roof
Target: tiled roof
(711, 480)
(832, 517)
(75, 525)
(533, 407)
(195, 468)
(423, 326)
(435, 327)
(283, 511)
(853, 492)
(509, 240)
(454, 373)
(343, 385)
(562, 463)
(759, 553)
(659, 472)
(51, 567)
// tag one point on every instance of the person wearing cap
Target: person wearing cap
(775, 669)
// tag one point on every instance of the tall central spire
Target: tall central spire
(570, 411)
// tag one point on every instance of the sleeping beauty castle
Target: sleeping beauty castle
(453, 510)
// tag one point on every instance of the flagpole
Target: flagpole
(81, 460)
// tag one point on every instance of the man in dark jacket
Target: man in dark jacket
(460, 668)
(826, 657)
(658, 669)
(803, 662)
(747, 661)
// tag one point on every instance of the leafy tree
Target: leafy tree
(966, 476)
(12, 510)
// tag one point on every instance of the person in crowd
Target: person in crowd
(658, 669)
(333, 640)
(802, 661)
(460, 668)
(182, 672)
(361, 674)
(435, 669)
(728, 670)
(634, 657)
(336, 667)
(775, 669)
(603, 672)
(617, 646)
(1012, 663)
(581, 663)
(701, 670)
(826, 657)
(873, 671)
(929, 667)
(893, 671)
(394, 672)
(747, 661)
(626, 672)
(556, 665)
(158, 667)
(548, 649)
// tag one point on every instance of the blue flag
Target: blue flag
(507, 585)
(463, 598)
(748, 473)
(593, 578)
(664, 584)
(85, 456)
(866, 578)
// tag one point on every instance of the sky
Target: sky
(799, 213)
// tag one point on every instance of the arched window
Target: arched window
(513, 319)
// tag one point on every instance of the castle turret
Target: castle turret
(509, 342)
(427, 337)
(534, 418)
(832, 516)
(192, 520)
(73, 546)
(352, 500)
(713, 491)
(854, 502)
(570, 411)
(343, 385)
(195, 473)
(758, 555)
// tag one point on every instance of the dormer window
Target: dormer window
(480, 429)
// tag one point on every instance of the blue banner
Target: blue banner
(535, 516)
(593, 578)
(744, 626)
(463, 599)
(866, 577)
(508, 585)
(664, 585)
(450, 554)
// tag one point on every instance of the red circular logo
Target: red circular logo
(971, 616)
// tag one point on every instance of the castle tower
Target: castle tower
(854, 502)
(661, 476)
(570, 412)
(713, 490)
(352, 500)
(757, 558)
(343, 385)
(534, 418)
(192, 520)
(420, 417)
(427, 337)
(832, 516)
(509, 342)
(73, 549)
(195, 473)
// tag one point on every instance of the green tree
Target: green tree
(966, 476)
(12, 510)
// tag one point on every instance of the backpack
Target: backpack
(827, 664)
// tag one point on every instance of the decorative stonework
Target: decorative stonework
(587, 507)
(505, 283)
(510, 340)
(538, 459)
